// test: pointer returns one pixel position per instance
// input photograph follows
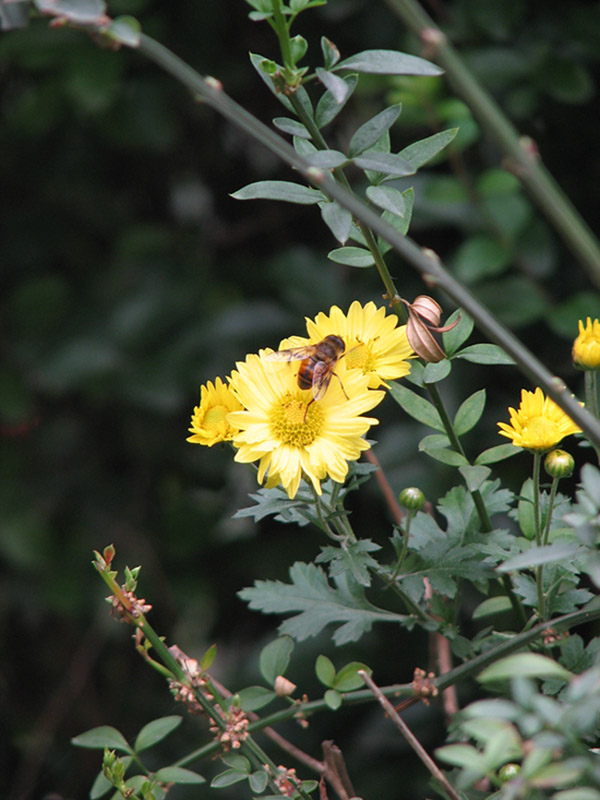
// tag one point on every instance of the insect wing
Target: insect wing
(292, 354)
(321, 378)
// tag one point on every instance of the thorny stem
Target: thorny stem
(410, 737)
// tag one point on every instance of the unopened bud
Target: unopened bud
(412, 498)
(559, 464)
(283, 687)
(508, 772)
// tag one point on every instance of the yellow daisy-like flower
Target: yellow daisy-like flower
(209, 420)
(539, 424)
(586, 347)
(291, 435)
(375, 344)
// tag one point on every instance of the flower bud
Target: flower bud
(283, 687)
(586, 347)
(559, 464)
(508, 771)
(412, 498)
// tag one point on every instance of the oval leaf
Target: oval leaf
(389, 62)
(328, 107)
(351, 256)
(333, 699)
(469, 412)
(546, 554)
(372, 130)
(421, 152)
(497, 453)
(275, 658)
(327, 159)
(325, 670)
(387, 198)
(179, 775)
(416, 406)
(336, 85)
(254, 697)
(286, 191)
(348, 678)
(337, 219)
(386, 163)
(524, 665)
(484, 354)
(291, 126)
(101, 737)
(154, 731)
(493, 605)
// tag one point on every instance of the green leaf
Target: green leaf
(317, 604)
(492, 606)
(583, 793)
(390, 165)
(416, 406)
(389, 62)
(298, 48)
(469, 412)
(348, 679)
(328, 107)
(351, 256)
(456, 336)
(449, 457)
(155, 731)
(100, 787)
(497, 453)
(337, 86)
(463, 755)
(279, 190)
(354, 558)
(179, 775)
(228, 778)
(207, 659)
(526, 515)
(326, 159)
(82, 12)
(325, 671)
(101, 737)
(401, 224)
(258, 781)
(437, 371)
(474, 476)
(337, 219)
(421, 152)
(333, 699)
(237, 761)
(254, 697)
(387, 198)
(524, 665)
(372, 130)
(546, 554)
(484, 354)
(291, 126)
(331, 54)
(480, 257)
(275, 657)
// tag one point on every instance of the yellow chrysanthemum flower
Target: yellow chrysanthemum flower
(291, 435)
(539, 424)
(375, 344)
(209, 420)
(586, 347)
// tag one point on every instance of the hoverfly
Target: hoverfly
(318, 364)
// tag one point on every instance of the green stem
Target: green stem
(402, 556)
(539, 572)
(283, 34)
(548, 520)
(591, 399)
(210, 91)
(527, 165)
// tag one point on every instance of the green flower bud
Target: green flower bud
(412, 498)
(559, 464)
(508, 772)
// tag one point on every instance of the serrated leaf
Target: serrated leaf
(388, 164)
(179, 775)
(388, 199)
(546, 554)
(456, 336)
(416, 406)
(336, 85)
(328, 107)
(372, 130)
(469, 412)
(353, 558)
(285, 191)
(317, 604)
(291, 126)
(337, 219)
(101, 737)
(389, 62)
(497, 453)
(325, 670)
(352, 256)
(275, 657)
(155, 731)
(484, 354)
(525, 665)
(421, 152)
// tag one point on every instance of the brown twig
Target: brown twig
(386, 489)
(410, 737)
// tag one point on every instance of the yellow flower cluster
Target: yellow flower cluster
(292, 434)
(539, 424)
(586, 347)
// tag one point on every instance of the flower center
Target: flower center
(293, 423)
(542, 432)
(215, 418)
(359, 357)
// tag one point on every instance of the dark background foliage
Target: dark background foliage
(129, 277)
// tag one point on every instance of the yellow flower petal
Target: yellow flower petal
(586, 347)
(539, 424)
(210, 420)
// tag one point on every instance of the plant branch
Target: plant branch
(525, 161)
